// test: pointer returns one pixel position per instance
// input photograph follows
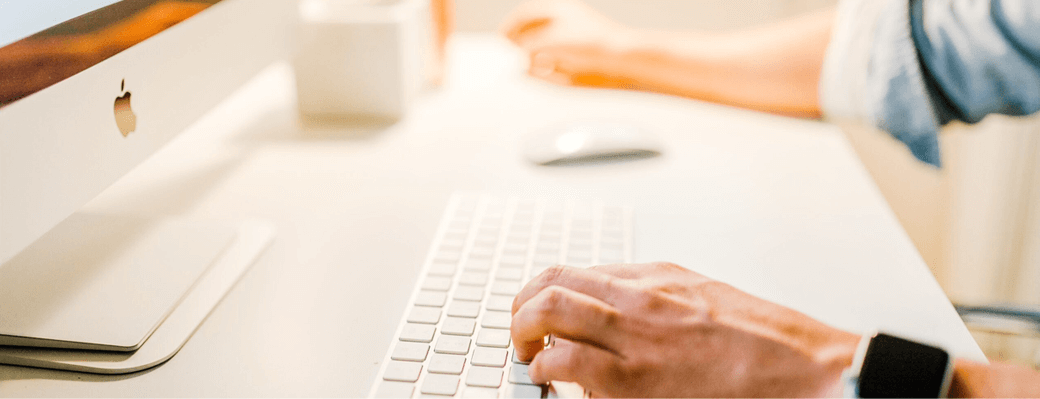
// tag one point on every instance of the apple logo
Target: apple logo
(125, 118)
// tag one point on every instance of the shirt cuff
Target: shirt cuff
(872, 74)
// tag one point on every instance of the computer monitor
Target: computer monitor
(88, 90)
(91, 88)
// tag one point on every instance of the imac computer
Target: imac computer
(89, 90)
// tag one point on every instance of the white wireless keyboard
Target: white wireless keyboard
(454, 338)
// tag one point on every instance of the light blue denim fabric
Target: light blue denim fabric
(935, 61)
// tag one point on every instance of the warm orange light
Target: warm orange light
(41, 60)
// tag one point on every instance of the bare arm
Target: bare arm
(659, 330)
(773, 68)
(995, 380)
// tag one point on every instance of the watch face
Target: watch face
(894, 367)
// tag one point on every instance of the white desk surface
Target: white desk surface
(779, 207)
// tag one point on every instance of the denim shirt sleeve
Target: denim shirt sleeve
(909, 67)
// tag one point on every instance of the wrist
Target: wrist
(835, 358)
(968, 379)
(688, 64)
(623, 48)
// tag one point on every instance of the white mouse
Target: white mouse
(590, 142)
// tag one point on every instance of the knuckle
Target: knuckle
(667, 266)
(516, 304)
(636, 368)
(610, 283)
(610, 318)
(553, 274)
(552, 299)
(656, 299)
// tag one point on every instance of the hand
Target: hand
(659, 330)
(569, 43)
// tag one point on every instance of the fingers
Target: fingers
(543, 65)
(622, 270)
(566, 314)
(575, 362)
(644, 270)
(594, 284)
(528, 16)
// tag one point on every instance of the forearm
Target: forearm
(774, 68)
(978, 380)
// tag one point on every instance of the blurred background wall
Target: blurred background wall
(976, 222)
(485, 15)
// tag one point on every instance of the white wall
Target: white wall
(485, 15)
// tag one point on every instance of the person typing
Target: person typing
(662, 330)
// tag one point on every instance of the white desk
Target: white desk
(779, 207)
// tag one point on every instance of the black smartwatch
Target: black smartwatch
(887, 366)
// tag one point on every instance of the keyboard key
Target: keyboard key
(480, 393)
(440, 384)
(418, 332)
(518, 374)
(486, 241)
(583, 263)
(436, 283)
(577, 253)
(493, 338)
(509, 274)
(464, 309)
(410, 352)
(612, 236)
(493, 319)
(546, 258)
(500, 303)
(581, 226)
(447, 364)
(478, 264)
(484, 377)
(515, 359)
(489, 357)
(609, 256)
(402, 371)
(442, 269)
(523, 391)
(458, 326)
(548, 245)
(514, 260)
(481, 250)
(452, 345)
(431, 298)
(391, 389)
(454, 244)
(538, 270)
(510, 288)
(468, 293)
(581, 244)
(481, 253)
(424, 315)
(447, 256)
(515, 248)
(473, 278)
